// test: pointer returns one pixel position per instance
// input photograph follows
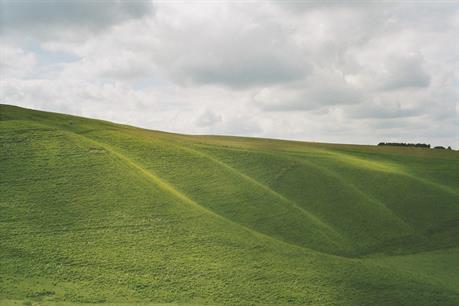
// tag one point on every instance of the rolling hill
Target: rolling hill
(97, 212)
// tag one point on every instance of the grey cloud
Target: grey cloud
(241, 125)
(305, 100)
(47, 17)
(302, 6)
(397, 124)
(232, 123)
(405, 72)
(374, 68)
(387, 110)
(238, 50)
(437, 103)
(425, 15)
(208, 118)
(242, 72)
(322, 89)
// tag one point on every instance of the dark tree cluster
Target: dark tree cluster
(404, 144)
(442, 148)
(418, 145)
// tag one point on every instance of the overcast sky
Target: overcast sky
(329, 71)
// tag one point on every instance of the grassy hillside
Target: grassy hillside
(95, 212)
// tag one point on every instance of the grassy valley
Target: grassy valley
(97, 212)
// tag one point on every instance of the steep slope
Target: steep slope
(92, 211)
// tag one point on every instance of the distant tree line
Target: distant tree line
(443, 148)
(404, 144)
(418, 145)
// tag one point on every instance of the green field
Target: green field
(96, 212)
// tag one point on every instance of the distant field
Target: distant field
(96, 212)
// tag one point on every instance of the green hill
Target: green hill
(96, 212)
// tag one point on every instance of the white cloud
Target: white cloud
(231, 45)
(208, 118)
(322, 89)
(15, 62)
(378, 68)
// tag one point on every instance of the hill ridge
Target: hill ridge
(96, 212)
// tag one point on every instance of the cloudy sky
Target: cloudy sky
(347, 72)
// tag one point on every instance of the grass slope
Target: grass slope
(95, 212)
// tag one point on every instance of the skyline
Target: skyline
(354, 72)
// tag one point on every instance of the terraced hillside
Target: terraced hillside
(96, 212)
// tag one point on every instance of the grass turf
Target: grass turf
(95, 212)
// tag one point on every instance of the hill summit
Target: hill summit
(97, 212)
